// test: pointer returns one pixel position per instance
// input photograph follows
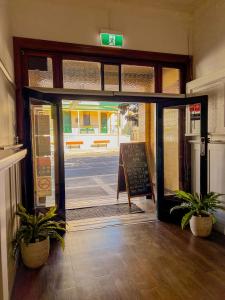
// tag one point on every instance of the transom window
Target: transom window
(92, 75)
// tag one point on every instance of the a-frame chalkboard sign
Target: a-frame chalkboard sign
(134, 175)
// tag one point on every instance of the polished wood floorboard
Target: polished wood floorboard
(141, 261)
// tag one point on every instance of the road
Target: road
(90, 177)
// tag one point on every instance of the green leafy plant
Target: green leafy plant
(37, 227)
(198, 205)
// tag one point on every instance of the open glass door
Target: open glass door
(181, 151)
(43, 166)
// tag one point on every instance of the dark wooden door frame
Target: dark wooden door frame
(165, 203)
(59, 51)
(56, 98)
(28, 186)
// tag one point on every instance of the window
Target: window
(86, 119)
(82, 75)
(111, 77)
(40, 71)
(170, 81)
(138, 79)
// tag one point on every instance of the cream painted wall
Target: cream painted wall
(7, 136)
(208, 32)
(208, 26)
(7, 95)
(78, 21)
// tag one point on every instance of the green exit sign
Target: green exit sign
(111, 39)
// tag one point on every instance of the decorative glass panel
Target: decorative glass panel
(138, 79)
(171, 150)
(83, 75)
(171, 81)
(111, 78)
(40, 71)
(44, 153)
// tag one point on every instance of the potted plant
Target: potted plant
(32, 237)
(200, 211)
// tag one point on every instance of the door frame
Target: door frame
(165, 203)
(55, 96)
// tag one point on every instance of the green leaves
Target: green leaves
(186, 218)
(198, 205)
(38, 227)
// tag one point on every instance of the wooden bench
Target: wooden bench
(100, 143)
(74, 144)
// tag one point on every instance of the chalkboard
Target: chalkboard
(134, 172)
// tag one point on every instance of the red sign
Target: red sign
(195, 107)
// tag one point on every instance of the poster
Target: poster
(42, 124)
(43, 166)
(43, 146)
(44, 186)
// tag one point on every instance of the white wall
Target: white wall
(144, 27)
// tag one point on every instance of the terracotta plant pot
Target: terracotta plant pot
(201, 226)
(35, 255)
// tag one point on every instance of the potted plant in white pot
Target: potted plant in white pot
(32, 237)
(200, 211)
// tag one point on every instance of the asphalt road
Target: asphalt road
(91, 166)
(90, 177)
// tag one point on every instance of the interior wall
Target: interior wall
(7, 132)
(209, 61)
(144, 27)
(7, 95)
(208, 26)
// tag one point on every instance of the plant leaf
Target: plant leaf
(186, 218)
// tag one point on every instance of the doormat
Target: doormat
(102, 211)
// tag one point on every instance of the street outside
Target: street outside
(90, 177)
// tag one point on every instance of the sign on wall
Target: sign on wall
(111, 39)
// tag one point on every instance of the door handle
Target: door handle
(202, 146)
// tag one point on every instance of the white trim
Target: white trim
(8, 158)
(207, 80)
(6, 73)
(11, 159)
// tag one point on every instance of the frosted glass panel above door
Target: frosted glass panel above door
(170, 81)
(83, 75)
(40, 71)
(138, 79)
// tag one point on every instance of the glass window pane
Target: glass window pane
(40, 71)
(111, 78)
(83, 75)
(171, 150)
(86, 119)
(44, 154)
(171, 81)
(137, 79)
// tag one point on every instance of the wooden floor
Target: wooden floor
(142, 261)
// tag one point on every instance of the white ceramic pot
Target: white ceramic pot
(201, 226)
(35, 255)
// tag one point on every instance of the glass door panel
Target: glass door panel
(44, 153)
(171, 141)
(181, 150)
